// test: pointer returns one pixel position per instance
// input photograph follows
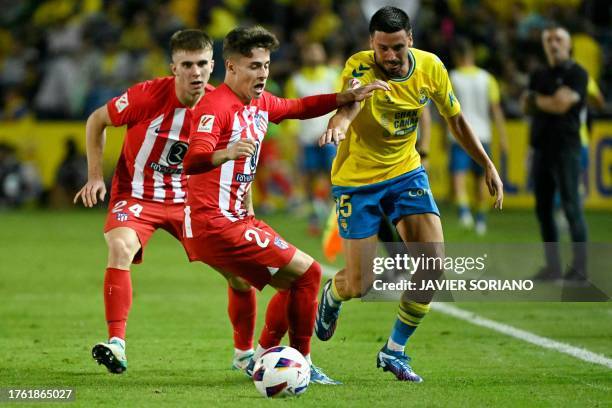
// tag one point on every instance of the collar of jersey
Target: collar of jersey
(410, 71)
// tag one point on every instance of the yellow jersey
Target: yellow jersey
(380, 142)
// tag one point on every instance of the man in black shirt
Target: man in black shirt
(555, 97)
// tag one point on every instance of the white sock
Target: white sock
(117, 340)
(307, 357)
(391, 345)
(333, 302)
(238, 352)
(258, 351)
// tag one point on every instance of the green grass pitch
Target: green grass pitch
(179, 336)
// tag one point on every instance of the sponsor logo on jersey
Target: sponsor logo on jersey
(280, 243)
(244, 178)
(160, 168)
(122, 103)
(419, 192)
(177, 153)
(122, 217)
(253, 160)
(206, 123)
(361, 68)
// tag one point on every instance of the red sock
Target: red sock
(117, 300)
(242, 310)
(276, 320)
(302, 308)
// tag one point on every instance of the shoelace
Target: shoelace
(403, 361)
(317, 371)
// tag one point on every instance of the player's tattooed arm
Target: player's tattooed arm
(95, 131)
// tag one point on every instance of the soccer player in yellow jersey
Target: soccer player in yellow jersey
(378, 171)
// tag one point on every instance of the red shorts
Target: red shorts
(248, 248)
(144, 217)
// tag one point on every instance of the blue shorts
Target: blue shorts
(318, 158)
(461, 162)
(360, 209)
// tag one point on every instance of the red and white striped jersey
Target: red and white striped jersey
(151, 163)
(220, 121)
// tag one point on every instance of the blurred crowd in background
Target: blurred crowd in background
(61, 59)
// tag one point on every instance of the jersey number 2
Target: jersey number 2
(250, 234)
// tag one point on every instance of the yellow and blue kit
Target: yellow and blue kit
(377, 168)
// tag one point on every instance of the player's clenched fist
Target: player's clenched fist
(242, 148)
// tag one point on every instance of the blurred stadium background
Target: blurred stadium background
(60, 59)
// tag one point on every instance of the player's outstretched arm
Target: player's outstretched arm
(339, 123)
(318, 105)
(462, 131)
(360, 93)
(95, 131)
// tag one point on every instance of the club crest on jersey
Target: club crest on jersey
(122, 217)
(423, 97)
(261, 122)
(122, 103)
(206, 123)
(280, 243)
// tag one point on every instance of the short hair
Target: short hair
(553, 25)
(242, 40)
(390, 19)
(462, 47)
(190, 40)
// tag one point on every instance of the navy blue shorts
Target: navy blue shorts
(360, 209)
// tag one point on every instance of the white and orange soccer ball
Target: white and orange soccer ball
(280, 372)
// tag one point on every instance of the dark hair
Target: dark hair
(390, 20)
(462, 47)
(242, 40)
(190, 40)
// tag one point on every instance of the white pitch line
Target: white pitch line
(544, 342)
(577, 352)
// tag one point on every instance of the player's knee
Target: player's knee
(121, 250)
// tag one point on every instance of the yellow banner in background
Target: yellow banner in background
(43, 143)
(514, 168)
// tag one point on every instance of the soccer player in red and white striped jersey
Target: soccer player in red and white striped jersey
(227, 131)
(149, 185)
